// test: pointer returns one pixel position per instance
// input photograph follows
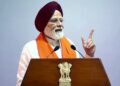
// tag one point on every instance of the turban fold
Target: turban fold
(45, 14)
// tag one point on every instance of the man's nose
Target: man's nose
(59, 23)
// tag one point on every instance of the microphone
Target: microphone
(74, 48)
(55, 49)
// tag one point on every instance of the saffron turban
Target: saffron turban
(45, 14)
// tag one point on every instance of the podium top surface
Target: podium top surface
(84, 72)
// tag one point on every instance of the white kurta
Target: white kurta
(29, 52)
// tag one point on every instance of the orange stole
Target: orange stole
(45, 49)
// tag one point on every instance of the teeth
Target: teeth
(57, 30)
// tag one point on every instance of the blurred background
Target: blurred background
(80, 16)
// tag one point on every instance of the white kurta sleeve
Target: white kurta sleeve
(29, 51)
(23, 64)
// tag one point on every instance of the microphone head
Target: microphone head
(56, 48)
(73, 47)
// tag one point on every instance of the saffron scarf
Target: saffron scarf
(44, 48)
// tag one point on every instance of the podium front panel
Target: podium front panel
(84, 72)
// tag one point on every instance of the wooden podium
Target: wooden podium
(84, 72)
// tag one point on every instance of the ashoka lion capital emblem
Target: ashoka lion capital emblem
(65, 79)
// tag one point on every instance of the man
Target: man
(49, 22)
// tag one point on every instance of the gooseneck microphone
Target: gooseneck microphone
(74, 48)
(55, 49)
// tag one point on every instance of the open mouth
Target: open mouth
(58, 30)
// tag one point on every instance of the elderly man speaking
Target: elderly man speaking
(51, 42)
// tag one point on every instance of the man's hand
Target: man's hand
(89, 45)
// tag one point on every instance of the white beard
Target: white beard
(57, 35)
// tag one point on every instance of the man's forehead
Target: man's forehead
(57, 14)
